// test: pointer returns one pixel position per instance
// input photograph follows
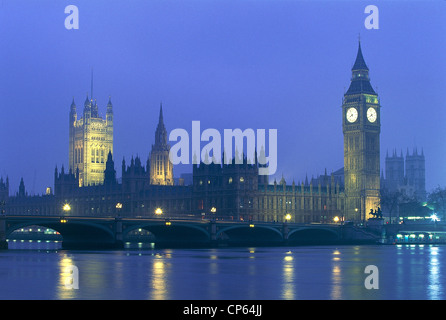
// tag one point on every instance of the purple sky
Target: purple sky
(229, 64)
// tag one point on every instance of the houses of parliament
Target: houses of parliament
(235, 191)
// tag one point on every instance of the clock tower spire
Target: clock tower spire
(361, 126)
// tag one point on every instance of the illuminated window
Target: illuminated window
(158, 165)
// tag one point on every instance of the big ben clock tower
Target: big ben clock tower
(361, 126)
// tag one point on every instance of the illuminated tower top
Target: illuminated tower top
(161, 169)
(90, 141)
(360, 82)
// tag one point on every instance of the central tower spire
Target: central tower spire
(161, 169)
(161, 120)
(91, 84)
(161, 132)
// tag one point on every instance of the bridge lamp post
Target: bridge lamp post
(118, 208)
(285, 225)
(66, 208)
(336, 219)
(213, 211)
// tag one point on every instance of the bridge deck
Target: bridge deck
(114, 230)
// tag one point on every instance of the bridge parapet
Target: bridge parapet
(113, 232)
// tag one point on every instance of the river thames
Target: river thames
(251, 273)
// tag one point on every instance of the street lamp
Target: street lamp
(434, 218)
(158, 211)
(118, 208)
(213, 211)
(336, 219)
(66, 207)
(288, 217)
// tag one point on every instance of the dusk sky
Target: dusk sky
(229, 64)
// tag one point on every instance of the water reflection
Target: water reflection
(158, 279)
(336, 279)
(405, 272)
(67, 279)
(435, 288)
(288, 285)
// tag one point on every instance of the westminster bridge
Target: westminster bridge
(113, 232)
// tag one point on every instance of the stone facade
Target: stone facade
(90, 141)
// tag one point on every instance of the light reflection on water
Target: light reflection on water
(435, 288)
(405, 272)
(65, 279)
(158, 281)
(336, 290)
(288, 291)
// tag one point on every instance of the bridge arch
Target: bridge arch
(172, 233)
(17, 226)
(254, 233)
(75, 234)
(313, 235)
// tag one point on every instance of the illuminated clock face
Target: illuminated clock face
(371, 114)
(352, 115)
